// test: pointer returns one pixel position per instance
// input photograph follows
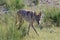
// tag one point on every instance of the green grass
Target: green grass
(44, 35)
(13, 4)
(9, 31)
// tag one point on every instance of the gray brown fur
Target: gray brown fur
(29, 16)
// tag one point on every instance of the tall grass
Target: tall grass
(8, 30)
(13, 4)
(53, 16)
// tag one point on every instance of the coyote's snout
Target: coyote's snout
(29, 16)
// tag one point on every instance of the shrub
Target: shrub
(36, 2)
(53, 16)
(13, 4)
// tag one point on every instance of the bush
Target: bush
(1, 1)
(36, 2)
(13, 4)
(8, 30)
(53, 16)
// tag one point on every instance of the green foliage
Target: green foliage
(1, 1)
(36, 2)
(53, 15)
(13, 4)
(19, 4)
(9, 31)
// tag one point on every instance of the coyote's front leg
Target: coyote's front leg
(34, 29)
(31, 25)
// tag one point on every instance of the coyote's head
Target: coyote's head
(37, 17)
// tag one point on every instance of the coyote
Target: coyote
(29, 16)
